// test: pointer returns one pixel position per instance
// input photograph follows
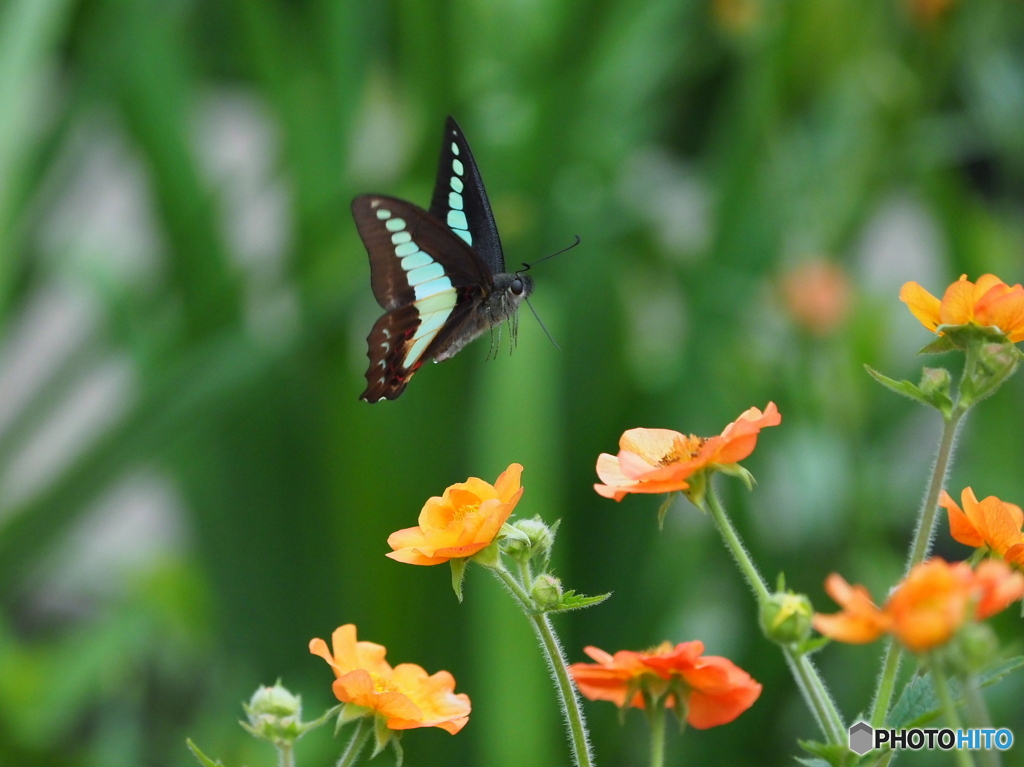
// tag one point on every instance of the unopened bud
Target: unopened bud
(786, 617)
(536, 539)
(546, 591)
(274, 714)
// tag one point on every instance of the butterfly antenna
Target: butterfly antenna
(527, 267)
(541, 323)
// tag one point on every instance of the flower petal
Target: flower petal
(922, 304)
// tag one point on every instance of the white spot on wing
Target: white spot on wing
(399, 237)
(457, 184)
(464, 235)
(455, 200)
(457, 167)
(382, 213)
(395, 224)
(406, 249)
(455, 149)
(456, 220)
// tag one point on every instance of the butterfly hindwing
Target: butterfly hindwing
(460, 200)
(425, 277)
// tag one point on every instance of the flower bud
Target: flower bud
(546, 591)
(785, 617)
(274, 714)
(975, 647)
(536, 539)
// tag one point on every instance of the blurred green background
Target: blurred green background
(189, 488)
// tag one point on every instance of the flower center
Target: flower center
(683, 449)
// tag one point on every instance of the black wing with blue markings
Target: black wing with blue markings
(460, 200)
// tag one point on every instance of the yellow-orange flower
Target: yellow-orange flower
(662, 460)
(714, 689)
(460, 523)
(991, 522)
(926, 609)
(989, 302)
(405, 696)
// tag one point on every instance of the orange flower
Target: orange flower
(662, 461)
(988, 303)
(715, 690)
(818, 295)
(405, 697)
(926, 609)
(991, 522)
(461, 522)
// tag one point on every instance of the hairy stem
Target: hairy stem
(811, 685)
(553, 653)
(918, 551)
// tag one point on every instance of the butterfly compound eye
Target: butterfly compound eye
(517, 287)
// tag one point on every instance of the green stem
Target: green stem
(656, 721)
(735, 546)
(285, 755)
(355, 745)
(811, 685)
(978, 715)
(963, 756)
(567, 698)
(918, 551)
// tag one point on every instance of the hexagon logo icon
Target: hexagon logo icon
(861, 738)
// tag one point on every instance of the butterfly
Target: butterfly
(439, 275)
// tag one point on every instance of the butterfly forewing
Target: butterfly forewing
(424, 276)
(460, 200)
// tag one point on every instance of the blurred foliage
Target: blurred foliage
(183, 303)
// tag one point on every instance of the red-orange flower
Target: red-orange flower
(991, 522)
(989, 302)
(817, 293)
(405, 697)
(461, 522)
(662, 460)
(714, 690)
(926, 609)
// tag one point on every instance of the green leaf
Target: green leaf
(832, 754)
(203, 758)
(573, 601)
(458, 572)
(935, 398)
(919, 704)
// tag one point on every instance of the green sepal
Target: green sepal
(396, 744)
(573, 601)
(663, 510)
(545, 563)
(963, 336)
(918, 703)
(931, 395)
(809, 646)
(940, 345)
(349, 713)
(697, 489)
(382, 735)
(203, 758)
(511, 533)
(458, 572)
(489, 557)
